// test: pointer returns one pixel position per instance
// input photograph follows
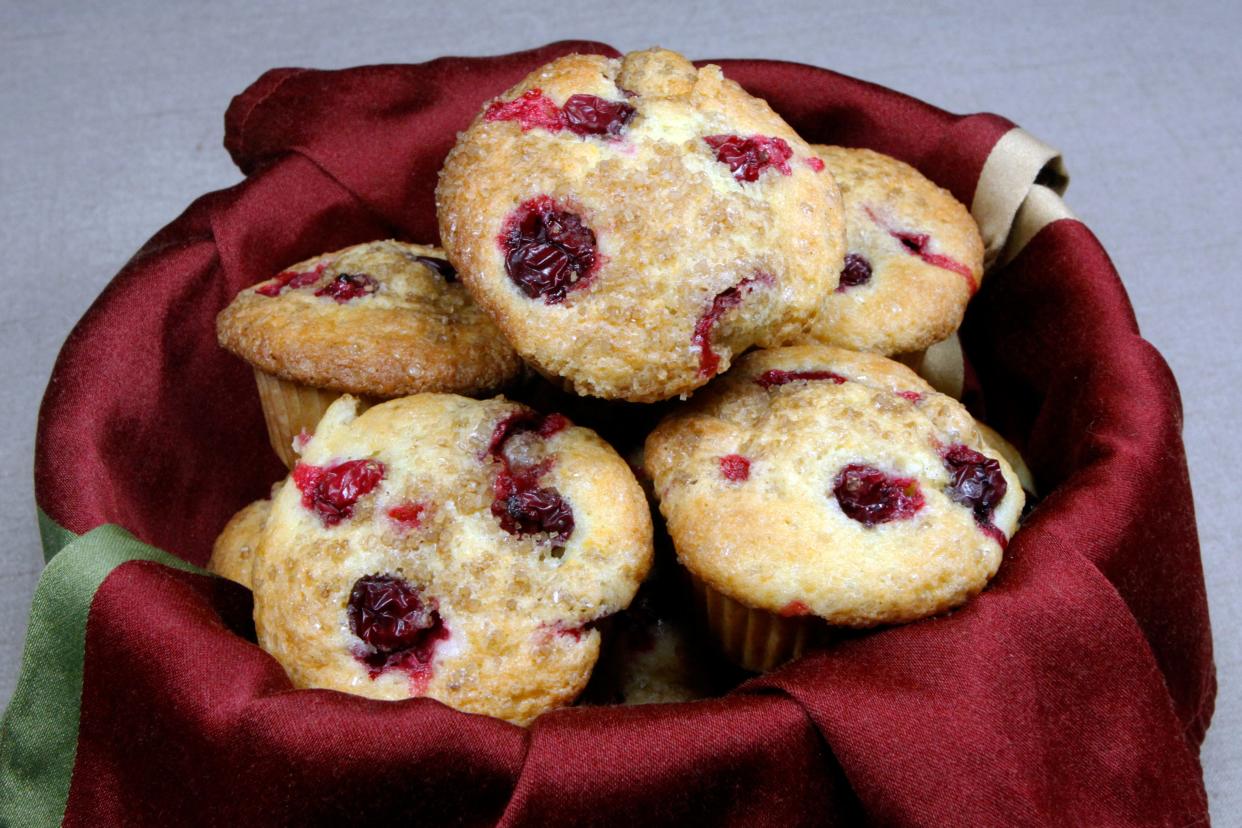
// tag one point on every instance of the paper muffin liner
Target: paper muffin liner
(753, 639)
(289, 407)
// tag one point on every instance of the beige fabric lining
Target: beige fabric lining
(1041, 207)
(1018, 194)
(942, 365)
(1016, 163)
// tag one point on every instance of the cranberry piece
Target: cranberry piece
(748, 158)
(332, 491)
(347, 286)
(399, 626)
(735, 467)
(794, 608)
(589, 115)
(916, 244)
(291, 279)
(947, 263)
(814, 163)
(525, 509)
(778, 377)
(976, 481)
(531, 109)
(552, 424)
(870, 496)
(857, 271)
(524, 420)
(912, 396)
(521, 504)
(548, 251)
(559, 628)
(441, 266)
(709, 360)
(408, 515)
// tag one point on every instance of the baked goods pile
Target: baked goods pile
(680, 271)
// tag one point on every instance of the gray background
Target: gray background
(112, 122)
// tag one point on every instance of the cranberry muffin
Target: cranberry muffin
(451, 548)
(377, 320)
(815, 482)
(913, 259)
(232, 555)
(633, 224)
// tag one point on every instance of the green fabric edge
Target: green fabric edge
(39, 731)
(54, 536)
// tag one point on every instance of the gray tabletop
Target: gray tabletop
(112, 122)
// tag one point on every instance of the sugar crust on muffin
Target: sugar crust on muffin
(914, 257)
(500, 536)
(766, 478)
(635, 244)
(381, 319)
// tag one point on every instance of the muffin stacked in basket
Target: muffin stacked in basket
(629, 229)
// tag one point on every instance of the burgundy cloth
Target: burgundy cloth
(1075, 690)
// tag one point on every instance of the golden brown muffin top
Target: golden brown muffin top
(451, 548)
(382, 319)
(914, 257)
(632, 224)
(814, 480)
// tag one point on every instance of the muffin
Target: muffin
(232, 555)
(377, 320)
(913, 258)
(817, 483)
(450, 548)
(633, 224)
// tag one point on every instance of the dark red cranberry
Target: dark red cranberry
(814, 163)
(524, 420)
(332, 491)
(735, 467)
(441, 266)
(408, 515)
(976, 481)
(291, 279)
(778, 377)
(794, 609)
(589, 115)
(912, 396)
(914, 242)
(522, 505)
(347, 286)
(870, 496)
(748, 158)
(552, 424)
(709, 360)
(548, 251)
(525, 509)
(531, 109)
(857, 271)
(399, 626)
